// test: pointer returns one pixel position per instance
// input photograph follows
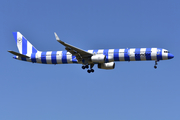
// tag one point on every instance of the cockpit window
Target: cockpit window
(166, 51)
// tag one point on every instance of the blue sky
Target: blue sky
(133, 90)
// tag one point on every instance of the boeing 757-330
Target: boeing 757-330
(104, 58)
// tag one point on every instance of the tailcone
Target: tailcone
(15, 57)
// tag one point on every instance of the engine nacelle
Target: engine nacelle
(106, 66)
(98, 58)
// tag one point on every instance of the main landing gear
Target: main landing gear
(91, 70)
(87, 66)
(155, 66)
(84, 67)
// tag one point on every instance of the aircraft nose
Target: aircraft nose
(170, 56)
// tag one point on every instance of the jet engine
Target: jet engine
(106, 66)
(98, 58)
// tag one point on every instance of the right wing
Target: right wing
(79, 53)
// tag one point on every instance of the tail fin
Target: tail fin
(24, 46)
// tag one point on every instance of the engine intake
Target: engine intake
(106, 66)
(98, 58)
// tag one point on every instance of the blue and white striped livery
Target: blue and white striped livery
(104, 58)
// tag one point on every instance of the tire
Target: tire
(83, 67)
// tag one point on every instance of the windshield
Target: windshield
(166, 51)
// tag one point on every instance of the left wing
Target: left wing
(79, 53)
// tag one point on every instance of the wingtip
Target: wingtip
(10, 51)
(56, 36)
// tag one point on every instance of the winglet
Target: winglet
(58, 39)
(56, 36)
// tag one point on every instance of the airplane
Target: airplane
(104, 58)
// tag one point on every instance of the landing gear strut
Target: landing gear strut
(155, 66)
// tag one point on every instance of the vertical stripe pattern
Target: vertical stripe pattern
(48, 57)
(59, 57)
(126, 56)
(132, 54)
(142, 53)
(106, 54)
(148, 54)
(64, 57)
(69, 57)
(43, 57)
(33, 57)
(111, 55)
(137, 54)
(53, 57)
(121, 55)
(159, 54)
(116, 55)
(153, 54)
(24, 46)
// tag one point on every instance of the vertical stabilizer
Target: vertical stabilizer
(24, 46)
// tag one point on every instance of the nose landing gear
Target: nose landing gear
(155, 66)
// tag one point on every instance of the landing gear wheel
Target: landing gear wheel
(155, 67)
(92, 70)
(88, 71)
(87, 66)
(83, 67)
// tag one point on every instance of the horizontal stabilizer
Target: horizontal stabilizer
(18, 54)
